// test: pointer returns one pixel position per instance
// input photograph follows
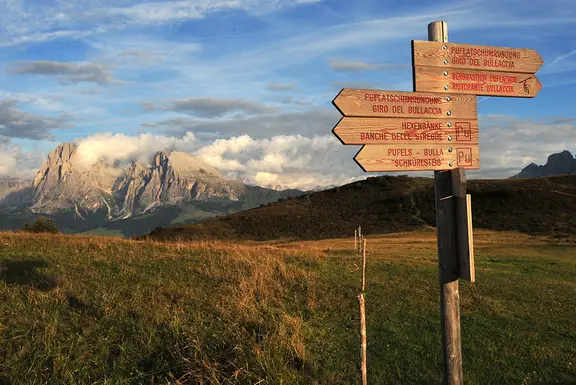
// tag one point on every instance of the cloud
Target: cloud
(89, 91)
(169, 11)
(288, 160)
(152, 52)
(308, 123)
(181, 10)
(301, 161)
(560, 64)
(140, 55)
(120, 147)
(15, 123)
(44, 100)
(362, 85)
(293, 161)
(71, 72)
(209, 107)
(340, 65)
(508, 144)
(287, 99)
(280, 87)
(39, 37)
(17, 163)
(25, 22)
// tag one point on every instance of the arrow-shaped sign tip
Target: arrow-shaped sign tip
(336, 134)
(539, 60)
(538, 84)
(336, 105)
(356, 160)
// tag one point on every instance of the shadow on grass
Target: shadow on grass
(23, 273)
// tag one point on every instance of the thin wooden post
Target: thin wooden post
(447, 254)
(363, 336)
(363, 265)
(355, 240)
(362, 306)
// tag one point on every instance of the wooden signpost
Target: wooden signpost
(400, 104)
(418, 157)
(465, 81)
(436, 128)
(406, 131)
(477, 57)
(440, 66)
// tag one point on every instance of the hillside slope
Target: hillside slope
(390, 204)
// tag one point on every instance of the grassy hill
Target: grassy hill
(390, 204)
(92, 310)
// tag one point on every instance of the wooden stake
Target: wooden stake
(362, 306)
(363, 336)
(447, 254)
(355, 240)
(363, 265)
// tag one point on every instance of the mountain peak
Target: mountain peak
(557, 164)
(64, 152)
(172, 177)
(184, 164)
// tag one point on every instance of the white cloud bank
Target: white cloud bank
(292, 161)
(120, 147)
(295, 161)
(15, 163)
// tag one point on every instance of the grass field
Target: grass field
(83, 310)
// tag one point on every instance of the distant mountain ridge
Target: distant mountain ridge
(561, 163)
(63, 182)
(172, 180)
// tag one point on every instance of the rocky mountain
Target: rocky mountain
(64, 182)
(67, 187)
(557, 164)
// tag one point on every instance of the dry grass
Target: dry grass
(84, 309)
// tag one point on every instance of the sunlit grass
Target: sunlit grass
(86, 309)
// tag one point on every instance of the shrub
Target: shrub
(41, 225)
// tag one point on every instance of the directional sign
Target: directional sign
(405, 131)
(399, 104)
(463, 81)
(478, 57)
(418, 157)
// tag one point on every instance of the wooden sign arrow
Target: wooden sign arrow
(400, 104)
(463, 81)
(417, 157)
(477, 57)
(405, 131)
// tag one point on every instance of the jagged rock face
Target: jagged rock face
(63, 183)
(173, 178)
(557, 164)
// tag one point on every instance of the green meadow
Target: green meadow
(95, 310)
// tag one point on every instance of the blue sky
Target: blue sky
(247, 84)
